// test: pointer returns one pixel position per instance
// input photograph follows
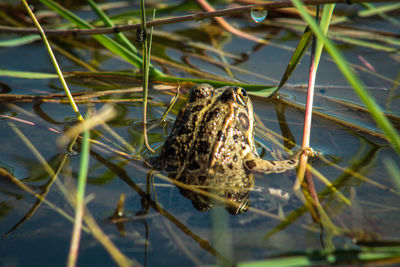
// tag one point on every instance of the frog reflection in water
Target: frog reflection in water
(212, 146)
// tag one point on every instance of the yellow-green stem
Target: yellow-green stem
(53, 59)
(145, 70)
(80, 196)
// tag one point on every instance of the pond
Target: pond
(159, 224)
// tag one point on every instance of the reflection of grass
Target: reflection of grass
(123, 48)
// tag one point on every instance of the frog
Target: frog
(212, 146)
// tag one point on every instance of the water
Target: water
(162, 227)
(258, 14)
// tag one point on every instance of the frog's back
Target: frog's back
(177, 147)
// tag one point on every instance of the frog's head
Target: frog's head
(242, 106)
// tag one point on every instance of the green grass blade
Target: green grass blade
(80, 198)
(83, 169)
(363, 43)
(324, 24)
(19, 41)
(145, 78)
(359, 88)
(27, 74)
(329, 257)
(296, 57)
(371, 11)
(382, 11)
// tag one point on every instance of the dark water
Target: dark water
(167, 229)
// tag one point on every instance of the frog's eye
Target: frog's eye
(241, 96)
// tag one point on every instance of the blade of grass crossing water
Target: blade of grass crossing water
(19, 41)
(359, 88)
(383, 10)
(372, 10)
(80, 196)
(27, 74)
(54, 60)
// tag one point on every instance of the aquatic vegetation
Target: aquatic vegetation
(119, 74)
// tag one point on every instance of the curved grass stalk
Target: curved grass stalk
(171, 104)
(376, 112)
(54, 60)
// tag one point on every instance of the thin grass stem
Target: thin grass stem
(145, 71)
(80, 195)
(54, 60)
(307, 120)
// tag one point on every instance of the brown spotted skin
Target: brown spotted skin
(212, 145)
